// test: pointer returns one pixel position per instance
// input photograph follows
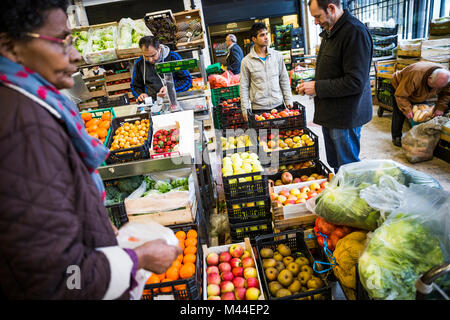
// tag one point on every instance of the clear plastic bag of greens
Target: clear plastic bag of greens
(413, 239)
(102, 44)
(341, 202)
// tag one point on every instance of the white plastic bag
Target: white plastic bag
(132, 235)
(419, 142)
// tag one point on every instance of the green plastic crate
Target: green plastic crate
(226, 93)
(97, 114)
(214, 68)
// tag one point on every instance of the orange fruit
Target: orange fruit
(187, 270)
(190, 249)
(173, 273)
(153, 279)
(161, 276)
(190, 242)
(191, 234)
(181, 244)
(177, 264)
(168, 288)
(189, 258)
(102, 132)
(180, 258)
(93, 134)
(92, 122)
(106, 115)
(102, 140)
(86, 116)
(181, 235)
(105, 124)
(180, 287)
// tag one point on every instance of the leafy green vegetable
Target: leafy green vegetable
(128, 185)
(358, 174)
(343, 205)
(398, 252)
(114, 195)
(179, 182)
(163, 186)
(102, 39)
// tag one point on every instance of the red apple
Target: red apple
(286, 178)
(227, 296)
(212, 259)
(213, 290)
(238, 282)
(285, 193)
(248, 262)
(273, 196)
(239, 293)
(227, 276)
(252, 283)
(273, 111)
(213, 278)
(226, 286)
(250, 272)
(224, 267)
(225, 257)
(214, 298)
(237, 271)
(235, 262)
(304, 190)
(236, 250)
(212, 269)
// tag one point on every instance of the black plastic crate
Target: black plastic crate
(245, 186)
(297, 154)
(384, 40)
(181, 289)
(295, 240)
(251, 230)
(232, 133)
(117, 214)
(319, 167)
(380, 31)
(250, 209)
(108, 102)
(297, 121)
(230, 116)
(385, 91)
(130, 154)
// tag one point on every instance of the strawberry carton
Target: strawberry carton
(166, 141)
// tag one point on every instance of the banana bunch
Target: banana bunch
(236, 142)
(422, 112)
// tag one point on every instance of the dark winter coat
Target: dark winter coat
(234, 59)
(153, 83)
(51, 213)
(343, 94)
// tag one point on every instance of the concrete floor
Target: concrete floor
(376, 144)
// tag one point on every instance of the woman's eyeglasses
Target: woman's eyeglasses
(67, 42)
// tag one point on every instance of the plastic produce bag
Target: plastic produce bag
(419, 142)
(414, 238)
(130, 32)
(134, 234)
(341, 202)
(101, 46)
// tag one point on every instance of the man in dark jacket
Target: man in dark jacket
(341, 90)
(235, 54)
(145, 81)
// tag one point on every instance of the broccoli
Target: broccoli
(128, 185)
(114, 195)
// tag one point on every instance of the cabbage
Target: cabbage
(163, 186)
(396, 255)
(102, 39)
(343, 205)
(179, 182)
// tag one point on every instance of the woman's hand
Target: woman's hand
(157, 256)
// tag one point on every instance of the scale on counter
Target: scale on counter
(182, 101)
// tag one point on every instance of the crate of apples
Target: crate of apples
(231, 273)
(295, 195)
(287, 178)
(275, 114)
(273, 142)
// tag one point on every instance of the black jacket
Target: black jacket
(182, 79)
(234, 59)
(343, 95)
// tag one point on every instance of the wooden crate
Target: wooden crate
(247, 246)
(87, 105)
(185, 16)
(98, 93)
(117, 87)
(168, 218)
(130, 52)
(118, 76)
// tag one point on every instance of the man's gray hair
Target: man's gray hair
(232, 37)
(440, 72)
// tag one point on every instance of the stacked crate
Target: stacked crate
(384, 41)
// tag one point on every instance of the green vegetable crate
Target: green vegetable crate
(295, 240)
(226, 93)
(97, 114)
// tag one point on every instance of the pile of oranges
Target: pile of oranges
(182, 268)
(97, 127)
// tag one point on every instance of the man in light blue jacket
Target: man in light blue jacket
(264, 79)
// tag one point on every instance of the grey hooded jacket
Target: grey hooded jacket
(264, 85)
